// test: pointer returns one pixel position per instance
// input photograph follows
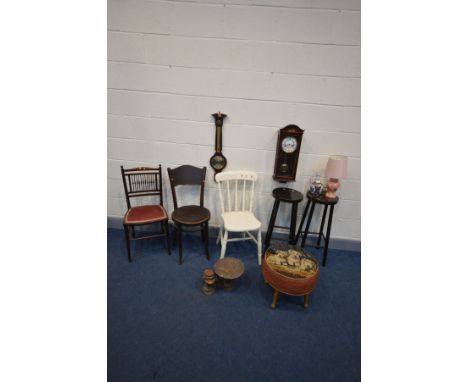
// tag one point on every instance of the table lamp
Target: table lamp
(337, 168)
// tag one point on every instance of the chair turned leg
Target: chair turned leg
(220, 233)
(174, 239)
(259, 246)
(179, 237)
(275, 299)
(223, 244)
(168, 239)
(205, 236)
(127, 239)
(306, 301)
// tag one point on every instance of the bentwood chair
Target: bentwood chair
(144, 182)
(190, 215)
(236, 194)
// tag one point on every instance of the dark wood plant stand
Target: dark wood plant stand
(328, 203)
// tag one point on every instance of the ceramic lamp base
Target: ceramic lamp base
(332, 186)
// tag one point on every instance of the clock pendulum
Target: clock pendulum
(218, 161)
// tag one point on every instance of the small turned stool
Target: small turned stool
(225, 272)
(290, 270)
(286, 195)
(321, 199)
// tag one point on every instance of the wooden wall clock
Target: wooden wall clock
(287, 153)
(218, 161)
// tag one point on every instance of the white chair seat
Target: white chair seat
(240, 221)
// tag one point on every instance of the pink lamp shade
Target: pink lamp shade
(337, 167)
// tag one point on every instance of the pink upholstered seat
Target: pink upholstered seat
(145, 214)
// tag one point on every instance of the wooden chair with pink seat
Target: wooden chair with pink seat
(144, 182)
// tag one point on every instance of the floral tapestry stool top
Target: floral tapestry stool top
(290, 270)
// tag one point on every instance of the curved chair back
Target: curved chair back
(236, 190)
(187, 175)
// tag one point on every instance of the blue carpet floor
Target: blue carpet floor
(161, 327)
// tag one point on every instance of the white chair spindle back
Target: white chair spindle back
(252, 196)
(228, 195)
(243, 197)
(229, 190)
(235, 204)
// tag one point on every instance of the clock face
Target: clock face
(289, 145)
(218, 162)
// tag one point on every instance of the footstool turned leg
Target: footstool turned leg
(306, 301)
(275, 299)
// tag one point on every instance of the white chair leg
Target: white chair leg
(259, 245)
(223, 244)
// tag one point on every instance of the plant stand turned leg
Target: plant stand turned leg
(306, 301)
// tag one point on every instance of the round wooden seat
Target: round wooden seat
(287, 195)
(191, 215)
(290, 270)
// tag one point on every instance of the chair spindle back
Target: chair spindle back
(236, 190)
(142, 181)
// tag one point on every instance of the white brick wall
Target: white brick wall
(266, 64)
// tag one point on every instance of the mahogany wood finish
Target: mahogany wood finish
(191, 215)
(218, 161)
(286, 163)
(141, 182)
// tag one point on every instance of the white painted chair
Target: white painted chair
(236, 194)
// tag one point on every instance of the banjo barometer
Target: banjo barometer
(218, 161)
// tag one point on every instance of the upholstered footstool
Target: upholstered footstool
(290, 270)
